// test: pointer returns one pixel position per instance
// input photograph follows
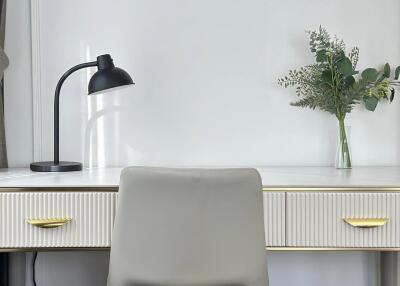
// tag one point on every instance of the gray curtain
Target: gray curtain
(4, 277)
(3, 65)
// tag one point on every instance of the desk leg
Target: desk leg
(389, 267)
(3, 269)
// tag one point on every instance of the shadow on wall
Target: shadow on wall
(95, 140)
(103, 144)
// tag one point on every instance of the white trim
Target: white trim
(36, 81)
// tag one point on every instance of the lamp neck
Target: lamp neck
(57, 106)
(105, 62)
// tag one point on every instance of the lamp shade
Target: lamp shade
(108, 76)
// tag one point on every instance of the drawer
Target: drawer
(316, 219)
(92, 215)
(274, 218)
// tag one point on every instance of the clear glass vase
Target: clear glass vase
(343, 153)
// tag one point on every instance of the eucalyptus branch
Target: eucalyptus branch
(333, 84)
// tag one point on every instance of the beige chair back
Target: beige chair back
(189, 227)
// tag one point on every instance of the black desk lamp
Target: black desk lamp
(107, 77)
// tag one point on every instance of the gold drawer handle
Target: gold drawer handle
(366, 222)
(49, 222)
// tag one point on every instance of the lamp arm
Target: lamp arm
(57, 107)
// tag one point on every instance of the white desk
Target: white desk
(304, 208)
(381, 177)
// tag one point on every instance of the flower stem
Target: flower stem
(344, 146)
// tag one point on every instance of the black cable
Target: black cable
(33, 268)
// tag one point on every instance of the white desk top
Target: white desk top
(271, 176)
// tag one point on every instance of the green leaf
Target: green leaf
(370, 102)
(339, 57)
(370, 74)
(349, 81)
(321, 56)
(345, 67)
(326, 76)
(381, 78)
(397, 73)
(386, 70)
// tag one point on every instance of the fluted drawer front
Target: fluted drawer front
(274, 218)
(92, 215)
(316, 219)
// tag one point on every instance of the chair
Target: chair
(188, 227)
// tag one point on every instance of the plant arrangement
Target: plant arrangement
(334, 84)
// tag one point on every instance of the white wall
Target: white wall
(70, 268)
(206, 75)
(206, 94)
(285, 269)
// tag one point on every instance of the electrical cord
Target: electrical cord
(33, 268)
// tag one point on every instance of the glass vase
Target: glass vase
(343, 153)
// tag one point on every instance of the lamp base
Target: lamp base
(50, 166)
